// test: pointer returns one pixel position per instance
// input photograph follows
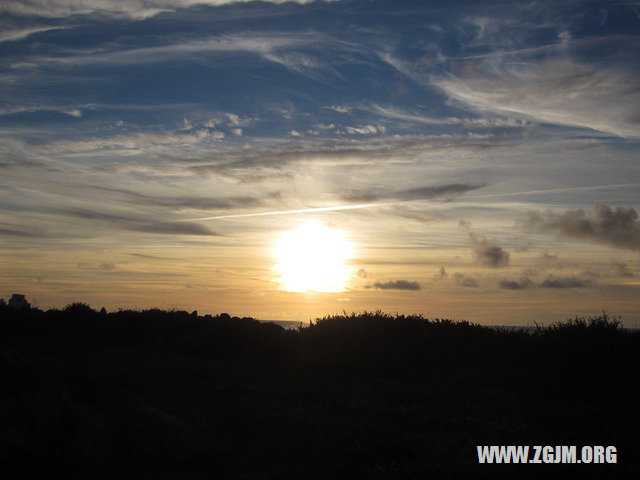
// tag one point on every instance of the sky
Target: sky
(482, 158)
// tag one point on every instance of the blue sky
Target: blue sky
(494, 147)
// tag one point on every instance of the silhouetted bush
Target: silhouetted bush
(367, 395)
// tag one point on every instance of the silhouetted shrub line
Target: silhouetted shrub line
(368, 341)
(350, 396)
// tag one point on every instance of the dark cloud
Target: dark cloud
(618, 227)
(420, 193)
(549, 258)
(565, 282)
(398, 285)
(170, 228)
(488, 253)
(414, 214)
(463, 280)
(442, 274)
(623, 270)
(106, 266)
(9, 230)
(192, 202)
(140, 225)
(520, 284)
(362, 273)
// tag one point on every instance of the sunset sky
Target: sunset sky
(480, 159)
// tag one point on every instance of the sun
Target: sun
(312, 258)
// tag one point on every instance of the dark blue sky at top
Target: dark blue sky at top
(334, 51)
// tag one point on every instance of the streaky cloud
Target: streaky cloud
(136, 9)
(137, 224)
(556, 91)
(418, 193)
(287, 212)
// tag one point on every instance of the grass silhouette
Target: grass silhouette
(170, 394)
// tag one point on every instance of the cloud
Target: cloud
(294, 133)
(137, 224)
(418, 215)
(618, 227)
(463, 280)
(12, 34)
(137, 9)
(265, 160)
(362, 273)
(520, 284)
(212, 123)
(72, 112)
(488, 253)
(105, 266)
(466, 122)
(270, 46)
(237, 132)
(397, 285)
(233, 119)
(418, 193)
(185, 124)
(170, 228)
(188, 202)
(622, 270)
(565, 282)
(365, 130)
(135, 141)
(547, 258)
(11, 230)
(558, 91)
(339, 108)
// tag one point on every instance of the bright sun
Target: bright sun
(312, 258)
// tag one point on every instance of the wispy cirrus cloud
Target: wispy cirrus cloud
(135, 141)
(13, 33)
(137, 9)
(136, 223)
(418, 193)
(558, 91)
(190, 202)
(272, 46)
(466, 122)
(272, 159)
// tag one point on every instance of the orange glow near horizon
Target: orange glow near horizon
(312, 258)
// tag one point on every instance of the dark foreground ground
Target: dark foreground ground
(159, 395)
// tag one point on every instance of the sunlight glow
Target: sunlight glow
(312, 258)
